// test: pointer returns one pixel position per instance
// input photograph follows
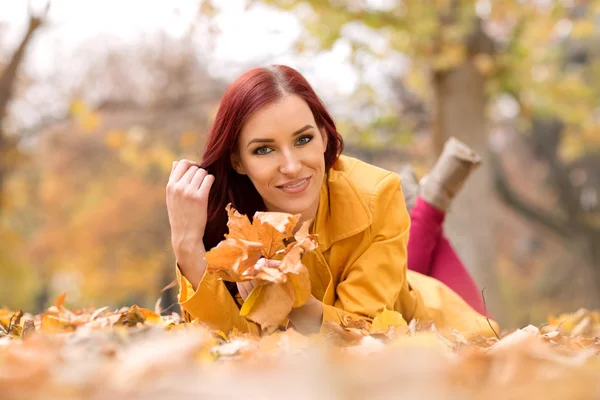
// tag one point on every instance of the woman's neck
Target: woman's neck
(308, 215)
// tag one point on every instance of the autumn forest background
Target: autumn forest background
(97, 100)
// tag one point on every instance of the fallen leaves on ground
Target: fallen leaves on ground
(136, 353)
(266, 250)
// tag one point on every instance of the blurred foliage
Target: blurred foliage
(84, 205)
(88, 216)
(520, 47)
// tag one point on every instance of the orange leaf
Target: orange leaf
(232, 257)
(150, 316)
(296, 272)
(268, 228)
(51, 324)
(239, 225)
(282, 222)
(267, 270)
(304, 232)
(304, 239)
(273, 307)
(60, 301)
(301, 284)
(292, 261)
(272, 229)
(136, 315)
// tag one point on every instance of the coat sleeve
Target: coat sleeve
(378, 277)
(212, 304)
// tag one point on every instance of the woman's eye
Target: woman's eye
(304, 140)
(261, 151)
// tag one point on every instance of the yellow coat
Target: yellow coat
(359, 268)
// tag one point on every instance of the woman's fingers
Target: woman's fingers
(245, 288)
(181, 168)
(242, 289)
(206, 185)
(198, 178)
(189, 174)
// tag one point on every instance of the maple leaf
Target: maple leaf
(304, 238)
(232, 257)
(239, 225)
(270, 229)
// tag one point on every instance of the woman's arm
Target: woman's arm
(212, 304)
(193, 267)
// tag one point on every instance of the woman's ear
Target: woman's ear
(236, 164)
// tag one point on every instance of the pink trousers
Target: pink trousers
(430, 253)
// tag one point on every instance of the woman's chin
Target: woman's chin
(293, 207)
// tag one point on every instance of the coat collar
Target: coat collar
(342, 210)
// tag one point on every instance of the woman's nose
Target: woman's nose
(290, 164)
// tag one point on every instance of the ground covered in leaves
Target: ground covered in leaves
(135, 353)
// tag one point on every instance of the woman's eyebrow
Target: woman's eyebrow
(299, 131)
(304, 128)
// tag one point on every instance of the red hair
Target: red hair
(249, 93)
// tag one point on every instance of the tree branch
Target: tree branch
(7, 79)
(514, 201)
(547, 134)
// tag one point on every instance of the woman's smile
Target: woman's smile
(296, 186)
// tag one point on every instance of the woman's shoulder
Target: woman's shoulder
(369, 180)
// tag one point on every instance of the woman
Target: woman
(273, 146)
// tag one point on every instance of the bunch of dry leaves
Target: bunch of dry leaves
(269, 251)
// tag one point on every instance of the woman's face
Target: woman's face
(281, 150)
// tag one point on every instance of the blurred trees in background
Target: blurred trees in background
(84, 211)
(83, 190)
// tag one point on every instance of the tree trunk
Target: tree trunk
(592, 254)
(7, 87)
(460, 112)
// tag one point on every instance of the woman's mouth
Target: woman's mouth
(296, 186)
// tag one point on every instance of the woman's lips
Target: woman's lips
(295, 186)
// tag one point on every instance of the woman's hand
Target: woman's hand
(187, 206)
(307, 319)
(246, 287)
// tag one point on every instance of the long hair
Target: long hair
(249, 93)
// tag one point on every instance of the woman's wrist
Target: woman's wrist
(192, 265)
